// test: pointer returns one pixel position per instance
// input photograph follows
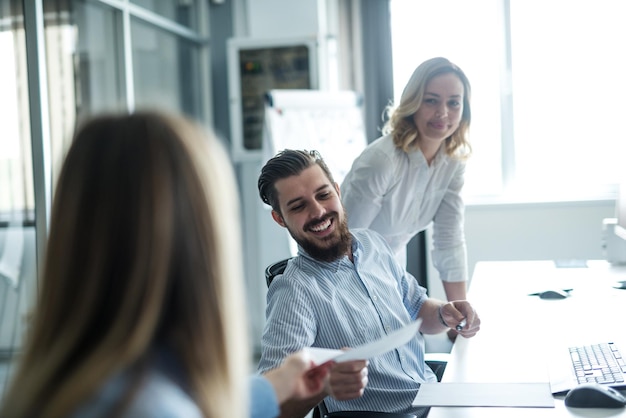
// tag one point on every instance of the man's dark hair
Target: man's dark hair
(285, 164)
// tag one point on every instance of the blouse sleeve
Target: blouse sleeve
(263, 401)
(364, 187)
(449, 248)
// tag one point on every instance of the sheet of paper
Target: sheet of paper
(530, 395)
(322, 355)
(392, 340)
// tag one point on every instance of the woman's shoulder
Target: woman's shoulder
(158, 397)
(382, 154)
(382, 145)
(162, 397)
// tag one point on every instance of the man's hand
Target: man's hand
(347, 380)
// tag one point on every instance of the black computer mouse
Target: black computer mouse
(620, 285)
(553, 294)
(594, 395)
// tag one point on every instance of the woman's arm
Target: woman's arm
(300, 387)
(449, 250)
(297, 378)
(455, 290)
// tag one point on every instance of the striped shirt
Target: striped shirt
(343, 304)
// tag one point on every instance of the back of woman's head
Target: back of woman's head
(142, 253)
(401, 124)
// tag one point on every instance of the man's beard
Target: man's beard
(327, 254)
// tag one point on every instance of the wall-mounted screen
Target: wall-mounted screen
(256, 67)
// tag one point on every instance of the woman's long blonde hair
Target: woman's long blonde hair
(143, 251)
(400, 123)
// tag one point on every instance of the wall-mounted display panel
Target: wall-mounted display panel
(255, 67)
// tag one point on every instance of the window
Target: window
(16, 190)
(159, 77)
(547, 89)
(17, 275)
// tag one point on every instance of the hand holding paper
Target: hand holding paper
(389, 342)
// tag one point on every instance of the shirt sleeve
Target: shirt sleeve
(413, 295)
(364, 187)
(263, 401)
(290, 324)
(449, 249)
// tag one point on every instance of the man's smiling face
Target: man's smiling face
(312, 211)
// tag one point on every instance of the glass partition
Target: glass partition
(181, 12)
(17, 223)
(166, 69)
(97, 55)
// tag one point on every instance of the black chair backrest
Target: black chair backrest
(274, 270)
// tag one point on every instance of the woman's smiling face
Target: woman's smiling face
(441, 110)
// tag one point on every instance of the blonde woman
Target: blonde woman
(413, 175)
(140, 312)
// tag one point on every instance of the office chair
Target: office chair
(274, 270)
(436, 363)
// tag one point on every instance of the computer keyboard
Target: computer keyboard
(598, 363)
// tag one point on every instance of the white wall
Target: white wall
(281, 18)
(543, 231)
(532, 231)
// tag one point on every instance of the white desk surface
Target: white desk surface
(517, 330)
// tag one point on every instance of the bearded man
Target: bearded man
(344, 289)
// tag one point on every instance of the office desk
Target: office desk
(519, 332)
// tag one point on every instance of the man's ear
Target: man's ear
(338, 189)
(278, 218)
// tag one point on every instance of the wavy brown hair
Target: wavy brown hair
(143, 251)
(400, 119)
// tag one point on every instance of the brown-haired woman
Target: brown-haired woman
(140, 312)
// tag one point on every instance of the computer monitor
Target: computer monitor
(614, 229)
(620, 227)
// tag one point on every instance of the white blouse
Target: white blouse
(399, 195)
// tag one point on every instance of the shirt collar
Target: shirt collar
(416, 157)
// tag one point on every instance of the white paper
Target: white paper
(322, 355)
(389, 342)
(530, 395)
